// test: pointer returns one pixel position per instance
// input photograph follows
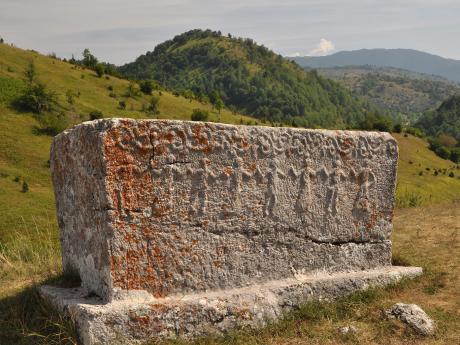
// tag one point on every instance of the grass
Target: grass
(426, 232)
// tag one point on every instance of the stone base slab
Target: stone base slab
(140, 317)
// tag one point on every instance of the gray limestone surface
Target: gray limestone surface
(414, 316)
(184, 228)
(173, 207)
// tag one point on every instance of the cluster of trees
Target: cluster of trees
(443, 127)
(245, 76)
(90, 61)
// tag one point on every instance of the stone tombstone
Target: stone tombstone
(170, 208)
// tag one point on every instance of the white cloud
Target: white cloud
(324, 46)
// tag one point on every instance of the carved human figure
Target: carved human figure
(199, 191)
(304, 195)
(335, 178)
(236, 180)
(271, 195)
(366, 180)
(167, 174)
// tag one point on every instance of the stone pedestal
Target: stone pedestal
(182, 228)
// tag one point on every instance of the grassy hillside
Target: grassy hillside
(248, 77)
(405, 92)
(90, 92)
(29, 247)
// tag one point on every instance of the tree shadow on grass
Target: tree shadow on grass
(25, 318)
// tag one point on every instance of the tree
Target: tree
(95, 114)
(153, 104)
(25, 187)
(219, 104)
(199, 115)
(30, 73)
(89, 60)
(37, 99)
(1, 40)
(99, 69)
(132, 91)
(146, 87)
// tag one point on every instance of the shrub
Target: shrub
(99, 69)
(132, 91)
(16, 179)
(435, 173)
(113, 95)
(415, 132)
(25, 187)
(397, 128)
(146, 87)
(52, 124)
(95, 114)
(455, 155)
(199, 115)
(153, 104)
(110, 88)
(451, 174)
(122, 105)
(409, 199)
(37, 99)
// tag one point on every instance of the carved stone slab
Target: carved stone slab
(169, 207)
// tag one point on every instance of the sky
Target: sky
(118, 31)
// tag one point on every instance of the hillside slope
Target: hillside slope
(248, 77)
(409, 59)
(443, 120)
(402, 91)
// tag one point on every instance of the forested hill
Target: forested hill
(405, 92)
(445, 120)
(250, 78)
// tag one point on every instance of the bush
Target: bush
(99, 69)
(153, 104)
(95, 114)
(451, 174)
(409, 199)
(200, 115)
(122, 105)
(415, 132)
(397, 128)
(132, 91)
(25, 187)
(146, 87)
(455, 155)
(36, 99)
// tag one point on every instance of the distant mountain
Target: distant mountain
(405, 92)
(409, 59)
(249, 78)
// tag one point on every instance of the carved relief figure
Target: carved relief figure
(167, 174)
(271, 195)
(335, 178)
(199, 191)
(304, 196)
(366, 180)
(236, 180)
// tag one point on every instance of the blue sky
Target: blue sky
(119, 30)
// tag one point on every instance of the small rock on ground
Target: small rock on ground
(414, 316)
(345, 330)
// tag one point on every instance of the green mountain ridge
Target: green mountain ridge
(250, 78)
(405, 92)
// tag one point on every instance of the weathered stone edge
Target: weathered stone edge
(134, 320)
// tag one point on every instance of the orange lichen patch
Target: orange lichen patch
(252, 167)
(227, 170)
(217, 263)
